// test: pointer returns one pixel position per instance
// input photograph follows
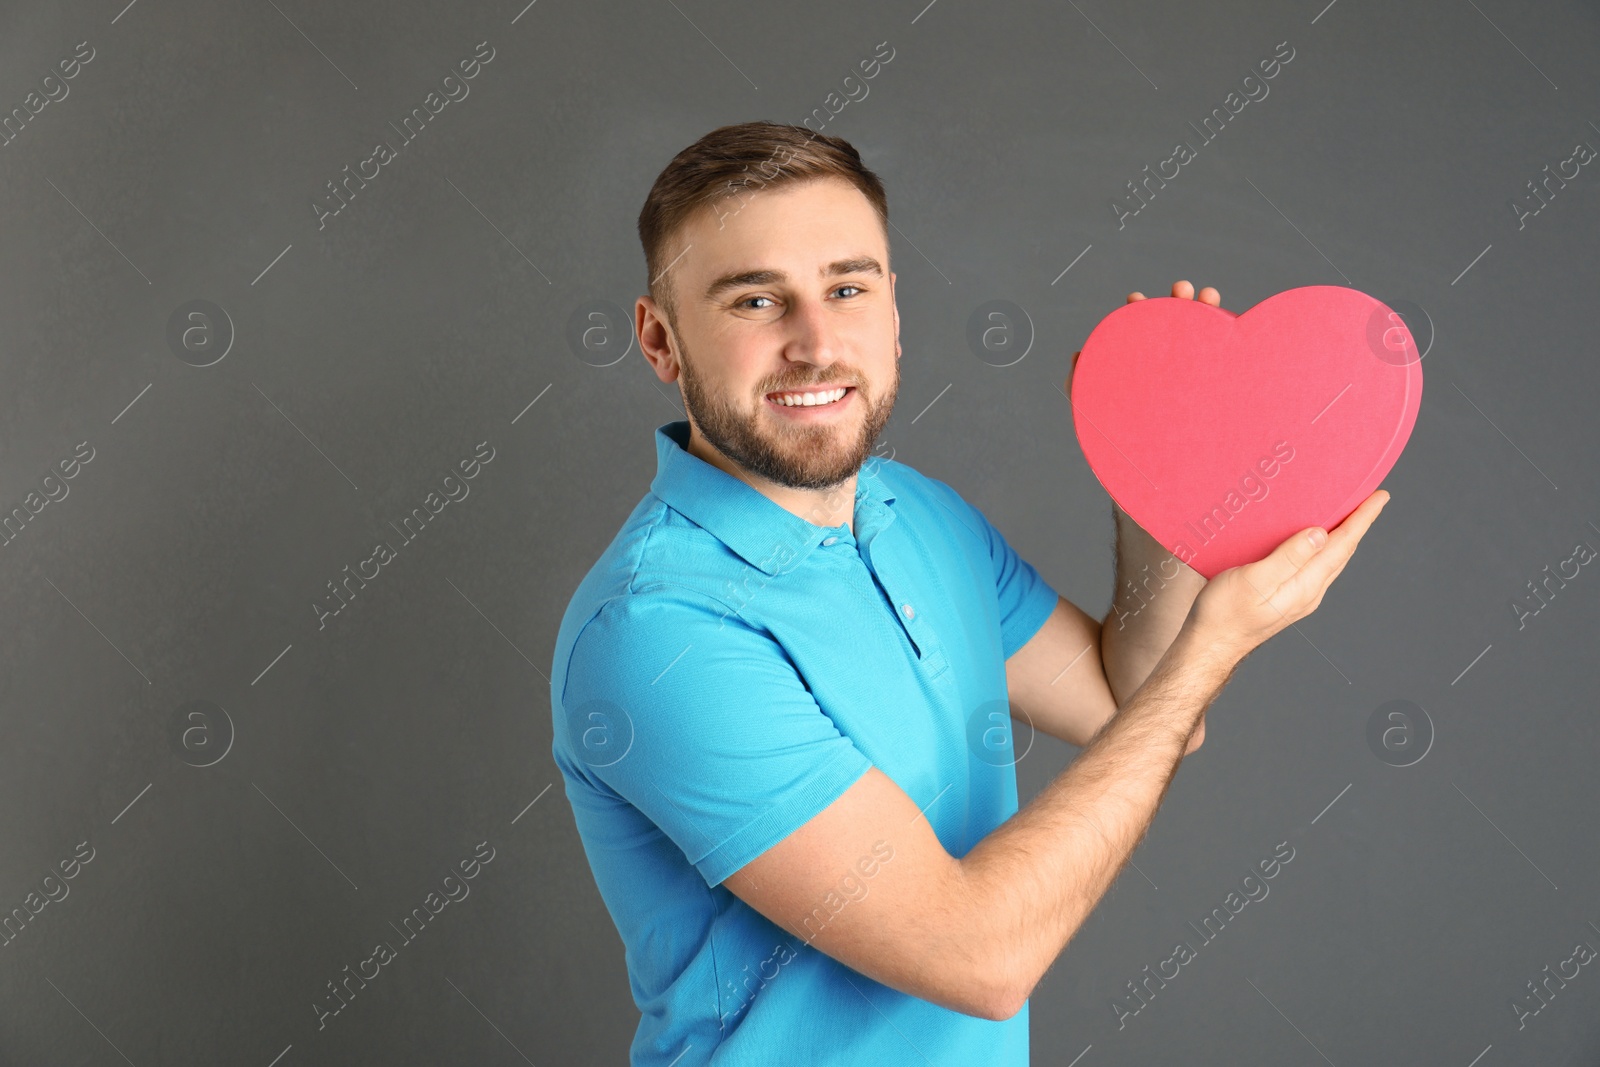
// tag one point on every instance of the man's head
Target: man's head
(768, 258)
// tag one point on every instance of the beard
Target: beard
(795, 455)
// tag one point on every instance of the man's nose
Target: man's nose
(815, 338)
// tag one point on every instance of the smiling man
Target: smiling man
(782, 696)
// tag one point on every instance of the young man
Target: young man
(781, 695)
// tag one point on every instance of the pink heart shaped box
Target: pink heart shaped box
(1221, 434)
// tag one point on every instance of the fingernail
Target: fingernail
(1318, 537)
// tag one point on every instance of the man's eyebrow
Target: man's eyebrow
(767, 276)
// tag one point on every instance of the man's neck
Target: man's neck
(820, 507)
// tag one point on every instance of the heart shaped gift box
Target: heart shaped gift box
(1221, 435)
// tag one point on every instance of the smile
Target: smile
(812, 398)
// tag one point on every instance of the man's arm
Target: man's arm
(1069, 678)
(1154, 593)
(976, 934)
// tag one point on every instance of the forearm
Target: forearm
(1033, 881)
(1154, 591)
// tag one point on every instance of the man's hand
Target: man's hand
(1180, 289)
(1243, 606)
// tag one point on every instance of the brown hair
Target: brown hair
(718, 166)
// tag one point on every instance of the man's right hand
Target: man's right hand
(1243, 606)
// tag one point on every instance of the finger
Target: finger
(1183, 290)
(1135, 296)
(1209, 295)
(1323, 567)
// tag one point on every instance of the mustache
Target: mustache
(833, 384)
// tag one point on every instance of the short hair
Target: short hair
(723, 164)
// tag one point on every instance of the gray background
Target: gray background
(351, 767)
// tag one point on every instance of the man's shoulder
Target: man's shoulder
(661, 578)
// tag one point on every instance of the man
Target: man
(780, 697)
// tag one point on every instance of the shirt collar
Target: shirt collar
(763, 534)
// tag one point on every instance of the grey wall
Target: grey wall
(264, 791)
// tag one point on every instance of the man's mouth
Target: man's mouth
(810, 397)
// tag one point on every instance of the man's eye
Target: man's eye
(857, 288)
(745, 303)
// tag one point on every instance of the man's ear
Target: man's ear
(655, 339)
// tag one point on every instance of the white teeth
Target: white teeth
(808, 400)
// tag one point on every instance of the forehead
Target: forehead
(797, 228)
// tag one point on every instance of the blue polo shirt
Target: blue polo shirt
(722, 674)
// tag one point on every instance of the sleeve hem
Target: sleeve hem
(778, 822)
(1028, 619)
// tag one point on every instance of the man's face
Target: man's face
(789, 292)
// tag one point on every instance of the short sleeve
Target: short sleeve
(1026, 600)
(704, 725)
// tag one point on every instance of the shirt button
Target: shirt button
(911, 612)
(830, 540)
